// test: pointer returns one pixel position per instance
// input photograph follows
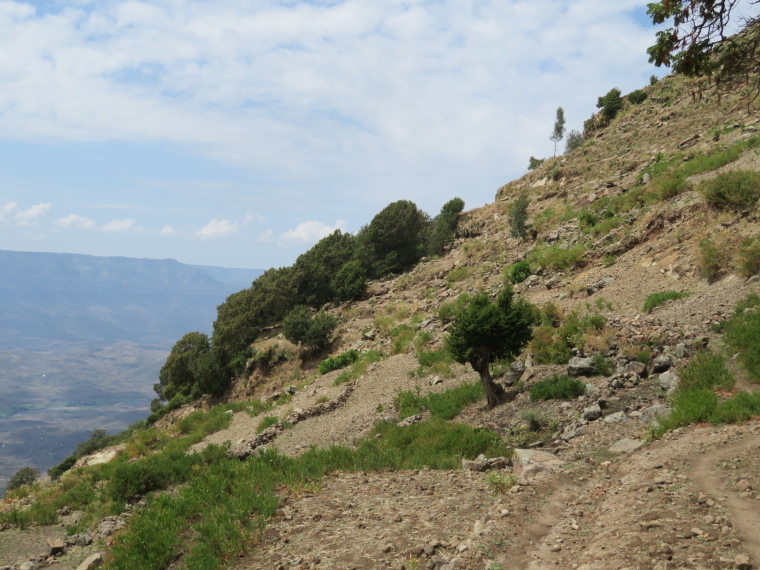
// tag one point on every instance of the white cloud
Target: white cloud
(309, 232)
(74, 221)
(217, 228)
(115, 226)
(303, 85)
(6, 211)
(251, 216)
(167, 231)
(267, 236)
(11, 212)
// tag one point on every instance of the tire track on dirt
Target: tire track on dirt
(744, 513)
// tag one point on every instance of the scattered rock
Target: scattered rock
(626, 445)
(592, 413)
(93, 561)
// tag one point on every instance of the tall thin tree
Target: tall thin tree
(559, 128)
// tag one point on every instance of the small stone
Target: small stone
(592, 413)
(744, 485)
(741, 561)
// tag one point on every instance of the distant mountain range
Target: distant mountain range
(53, 297)
(82, 340)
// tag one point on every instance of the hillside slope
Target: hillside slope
(613, 222)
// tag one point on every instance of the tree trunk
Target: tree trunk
(494, 392)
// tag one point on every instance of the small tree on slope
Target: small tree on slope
(559, 128)
(488, 330)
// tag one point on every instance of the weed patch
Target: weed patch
(657, 299)
(557, 387)
(444, 406)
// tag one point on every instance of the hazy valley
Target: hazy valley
(82, 340)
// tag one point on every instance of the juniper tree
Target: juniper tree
(486, 330)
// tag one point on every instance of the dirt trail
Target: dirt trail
(744, 512)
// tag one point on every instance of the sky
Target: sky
(239, 133)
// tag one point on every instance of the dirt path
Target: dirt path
(744, 513)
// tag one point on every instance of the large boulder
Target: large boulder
(669, 382)
(529, 462)
(581, 366)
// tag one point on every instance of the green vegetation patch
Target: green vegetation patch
(557, 258)
(436, 362)
(359, 367)
(735, 191)
(445, 406)
(337, 362)
(696, 401)
(743, 332)
(228, 502)
(557, 387)
(657, 299)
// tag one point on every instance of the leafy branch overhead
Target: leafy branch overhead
(700, 42)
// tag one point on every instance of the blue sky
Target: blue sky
(239, 133)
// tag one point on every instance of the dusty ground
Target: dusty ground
(661, 507)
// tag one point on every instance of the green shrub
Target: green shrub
(747, 259)
(533, 419)
(742, 407)
(519, 272)
(500, 483)
(359, 367)
(669, 185)
(267, 422)
(534, 163)
(401, 337)
(518, 216)
(449, 311)
(743, 332)
(574, 140)
(557, 387)
(737, 190)
(587, 219)
(712, 260)
(337, 362)
(603, 366)
(457, 274)
(434, 362)
(312, 333)
(58, 470)
(706, 371)
(657, 299)
(637, 97)
(24, 476)
(548, 348)
(610, 103)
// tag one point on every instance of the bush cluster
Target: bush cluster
(555, 338)
(736, 190)
(335, 269)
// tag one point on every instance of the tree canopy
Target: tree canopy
(394, 239)
(700, 42)
(311, 332)
(486, 330)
